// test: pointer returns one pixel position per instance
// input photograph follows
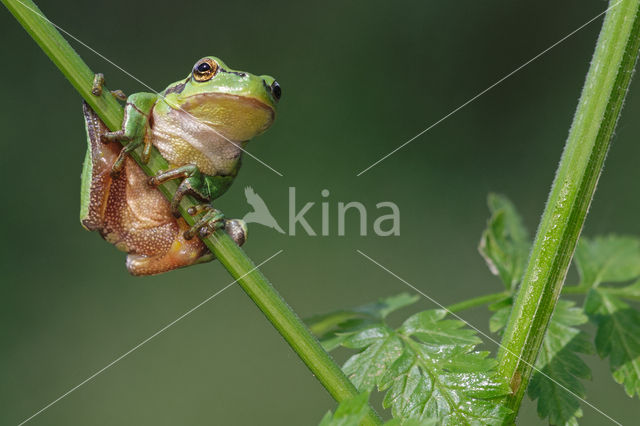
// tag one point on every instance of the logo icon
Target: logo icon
(260, 213)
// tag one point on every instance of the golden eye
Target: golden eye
(204, 70)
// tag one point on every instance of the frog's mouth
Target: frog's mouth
(238, 118)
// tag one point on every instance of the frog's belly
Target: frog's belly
(183, 140)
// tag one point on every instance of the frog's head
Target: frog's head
(235, 103)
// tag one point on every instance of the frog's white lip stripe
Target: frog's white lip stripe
(162, 330)
(488, 337)
(35, 12)
(488, 89)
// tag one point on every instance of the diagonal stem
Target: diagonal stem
(232, 257)
(606, 86)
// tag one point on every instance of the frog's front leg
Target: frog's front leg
(135, 128)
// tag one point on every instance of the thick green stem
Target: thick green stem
(602, 97)
(252, 281)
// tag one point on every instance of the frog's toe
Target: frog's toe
(210, 222)
(119, 94)
(237, 230)
(98, 82)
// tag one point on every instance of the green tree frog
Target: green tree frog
(200, 125)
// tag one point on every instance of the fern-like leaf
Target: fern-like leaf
(505, 243)
(334, 327)
(429, 369)
(558, 358)
(610, 258)
(352, 411)
(618, 337)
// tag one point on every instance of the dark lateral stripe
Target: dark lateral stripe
(178, 88)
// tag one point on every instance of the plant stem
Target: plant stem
(602, 97)
(252, 281)
(477, 301)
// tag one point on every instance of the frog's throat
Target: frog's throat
(209, 107)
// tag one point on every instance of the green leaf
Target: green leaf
(429, 368)
(607, 259)
(558, 359)
(382, 347)
(333, 328)
(430, 327)
(502, 310)
(505, 243)
(350, 412)
(414, 422)
(428, 382)
(618, 337)
(631, 292)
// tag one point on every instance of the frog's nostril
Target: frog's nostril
(276, 90)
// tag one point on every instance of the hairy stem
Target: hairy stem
(598, 109)
(251, 279)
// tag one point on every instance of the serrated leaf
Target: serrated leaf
(430, 369)
(501, 311)
(430, 327)
(419, 386)
(558, 359)
(333, 328)
(383, 307)
(382, 347)
(414, 422)
(505, 243)
(498, 320)
(350, 412)
(607, 259)
(618, 337)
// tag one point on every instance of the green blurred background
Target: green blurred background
(358, 79)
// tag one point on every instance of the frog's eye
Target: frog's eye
(204, 70)
(276, 90)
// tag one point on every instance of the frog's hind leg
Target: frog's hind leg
(184, 252)
(181, 253)
(211, 221)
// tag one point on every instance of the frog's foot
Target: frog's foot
(122, 136)
(237, 230)
(191, 180)
(211, 221)
(118, 164)
(98, 84)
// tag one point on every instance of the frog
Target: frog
(200, 125)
